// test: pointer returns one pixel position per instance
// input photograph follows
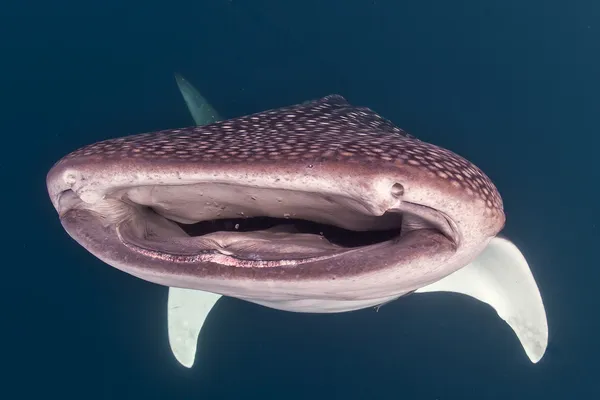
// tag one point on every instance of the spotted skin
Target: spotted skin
(301, 133)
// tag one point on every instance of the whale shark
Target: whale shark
(318, 207)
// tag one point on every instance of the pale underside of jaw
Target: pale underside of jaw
(500, 276)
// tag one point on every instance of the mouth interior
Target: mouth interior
(249, 223)
(333, 234)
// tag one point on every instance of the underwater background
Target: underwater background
(511, 85)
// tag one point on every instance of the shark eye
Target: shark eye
(397, 190)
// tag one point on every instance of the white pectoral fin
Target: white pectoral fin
(202, 112)
(187, 310)
(500, 277)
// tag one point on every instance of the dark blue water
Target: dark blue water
(511, 85)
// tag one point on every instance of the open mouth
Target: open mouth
(255, 227)
(335, 235)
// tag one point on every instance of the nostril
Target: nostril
(397, 190)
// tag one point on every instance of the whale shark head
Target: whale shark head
(317, 207)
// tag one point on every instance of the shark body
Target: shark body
(317, 207)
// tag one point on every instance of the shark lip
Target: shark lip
(255, 228)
